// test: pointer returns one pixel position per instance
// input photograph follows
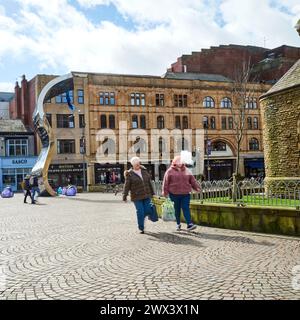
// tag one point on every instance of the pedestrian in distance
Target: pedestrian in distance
(35, 188)
(27, 188)
(138, 183)
(178, 183)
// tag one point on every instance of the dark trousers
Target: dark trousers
(143, 208)
(28, 193)
(182, 201)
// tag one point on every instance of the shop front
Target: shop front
(254, 168)
(220, 169)
(114, 173)
(60, 175)
(13, 170)
(109, 173)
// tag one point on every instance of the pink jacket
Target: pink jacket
(179, 182)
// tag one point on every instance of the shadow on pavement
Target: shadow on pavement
(93, 201)
(174, 239)
(221, 237)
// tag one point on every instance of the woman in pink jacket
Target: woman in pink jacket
(178, 184)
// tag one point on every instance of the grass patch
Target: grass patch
(255, 200)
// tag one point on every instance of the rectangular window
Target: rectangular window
(143, 101)
(224, 123)
(65, 146)
(62, 98)
(16, 147)
(80, 96)
(107, 98)
(82, 146)
(213, 123)
(177, 122)
(112, 101)
(65, 121)
(137, 99)
(180, 100)
(159, 100)
(102, 98)
(49, 118)
(230, 123)
(58, 99)
(81, 121)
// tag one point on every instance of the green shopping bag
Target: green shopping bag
(168, 211)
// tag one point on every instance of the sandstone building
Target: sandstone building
(175, 100)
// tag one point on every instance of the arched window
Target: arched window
(218, 146)
(208, 102)
(253, 144)
(249, 122)
(143, 122)
(112, 122)
(103, 121)
(255, 123)
(226, 103)
(185, 122)
(160, 122)
(135, 122)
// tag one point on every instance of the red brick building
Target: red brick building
(268, 65)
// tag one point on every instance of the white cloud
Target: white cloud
(7, 87)
(60, 37)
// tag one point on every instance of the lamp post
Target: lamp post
(83, 151)
(208, 145)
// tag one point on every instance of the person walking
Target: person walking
(35, 188)
(27, 189)
(138, 183)
(178, 183)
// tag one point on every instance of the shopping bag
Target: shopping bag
(153, 216)
(168, 211)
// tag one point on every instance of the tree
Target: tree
(242, 95)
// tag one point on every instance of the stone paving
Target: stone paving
(88, 247)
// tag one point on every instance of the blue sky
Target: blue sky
(131, 36)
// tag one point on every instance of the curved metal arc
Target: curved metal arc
(55, 87)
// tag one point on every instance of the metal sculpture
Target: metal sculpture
(55, 87)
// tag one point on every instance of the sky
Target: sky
(131, 36)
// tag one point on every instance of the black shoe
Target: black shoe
(191, 227)
(142, 231)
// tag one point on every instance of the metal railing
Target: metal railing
(246, 192)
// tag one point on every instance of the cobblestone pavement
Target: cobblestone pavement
(88, 247)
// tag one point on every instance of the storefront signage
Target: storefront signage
(59, 168)
(19, 161)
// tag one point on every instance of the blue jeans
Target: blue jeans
(143, 208)
(34, 190)
(182, 201)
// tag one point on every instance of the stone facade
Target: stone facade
(281, 118)
(195, 87)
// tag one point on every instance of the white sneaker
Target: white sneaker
(178, 228)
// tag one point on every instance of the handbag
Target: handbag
(153, 216)
(168, 211)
